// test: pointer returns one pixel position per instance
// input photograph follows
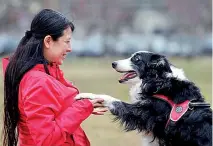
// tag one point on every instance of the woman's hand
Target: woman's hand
(98, 106)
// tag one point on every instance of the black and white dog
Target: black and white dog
(165, 104)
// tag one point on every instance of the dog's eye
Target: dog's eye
(137, 58)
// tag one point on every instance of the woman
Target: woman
(39, 105)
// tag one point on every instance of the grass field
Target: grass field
(96, 76)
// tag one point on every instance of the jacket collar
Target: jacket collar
(5, 62)
(54, 69)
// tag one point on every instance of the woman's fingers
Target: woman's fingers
(97, 102)
(99, 111)
(97, 105)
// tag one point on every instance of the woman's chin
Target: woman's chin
(60, 62)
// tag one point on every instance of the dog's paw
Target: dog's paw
(108, 100)
(85, 96)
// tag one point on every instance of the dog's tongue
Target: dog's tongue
(128, 75)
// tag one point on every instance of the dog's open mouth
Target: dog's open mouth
(127, 75)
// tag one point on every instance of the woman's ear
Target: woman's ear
(47, 41)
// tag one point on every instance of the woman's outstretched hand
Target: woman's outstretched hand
(99, 108)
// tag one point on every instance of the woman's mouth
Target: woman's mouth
(64, 56)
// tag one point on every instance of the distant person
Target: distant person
(39, 105)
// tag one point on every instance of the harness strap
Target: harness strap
(198, 104)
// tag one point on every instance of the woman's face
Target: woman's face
(56, 51)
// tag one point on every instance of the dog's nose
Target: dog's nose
(114, 64)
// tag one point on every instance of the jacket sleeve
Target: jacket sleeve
(42, 102)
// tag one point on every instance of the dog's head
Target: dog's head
(144, 65)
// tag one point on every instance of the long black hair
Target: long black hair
(28, 53)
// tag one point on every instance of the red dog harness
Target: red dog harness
(178, 110)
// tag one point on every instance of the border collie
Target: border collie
(165, 106)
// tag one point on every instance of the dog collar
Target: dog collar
(178, 110)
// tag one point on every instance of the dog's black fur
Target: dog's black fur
(150, 114)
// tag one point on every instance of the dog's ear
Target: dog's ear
(155, 86)
(152, 86)
(148, 88)
(160, 62)
(166, 65)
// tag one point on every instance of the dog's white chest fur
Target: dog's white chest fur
(146, 140)
(134, 92)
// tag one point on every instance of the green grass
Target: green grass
(96, 75)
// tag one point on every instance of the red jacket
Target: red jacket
(49, 115)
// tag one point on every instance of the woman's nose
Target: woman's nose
(69, 49)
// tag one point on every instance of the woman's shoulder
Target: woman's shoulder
(36, 76)
(40, 82)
